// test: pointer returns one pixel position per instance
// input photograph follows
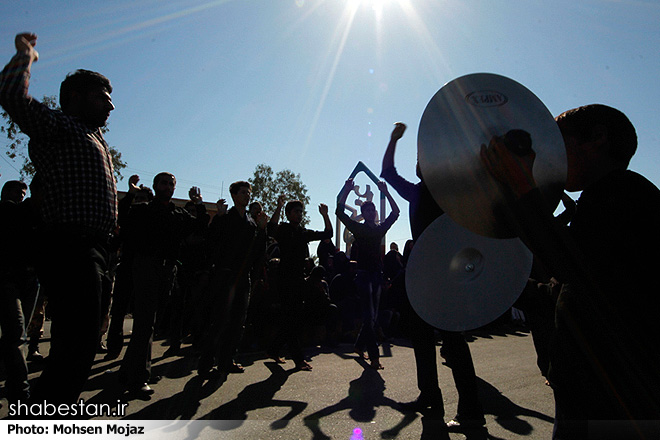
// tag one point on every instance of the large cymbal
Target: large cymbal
(466, 113)
(457, 280)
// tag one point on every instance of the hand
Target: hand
(133, 184)
(323, 209)
(513, 171)
(262, 220)
(349, 185)
(195, 195)
(221, 206)
(382, 186)
(280, 200)
(399, 129)
(25, 43)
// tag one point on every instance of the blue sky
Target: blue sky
(209, 89)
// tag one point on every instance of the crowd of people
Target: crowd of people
(191, 278)
(187, 278)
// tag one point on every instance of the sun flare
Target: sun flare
(376, 5)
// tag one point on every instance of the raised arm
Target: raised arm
(25, 44)
(323, 210)
(221, 207)
(406, 189)
(14, 78)
(124, 204)
(343, 195)
(202, 217)
(388, 157)
(394, 214)
(34, 118)
(195, 195)
(341, 202)
(275, 219)
(133, 184)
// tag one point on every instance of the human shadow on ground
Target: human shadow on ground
(105, 377)
(365, 394)
(258, 395)
(507, 413)
(181, 405)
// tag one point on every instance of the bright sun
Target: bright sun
(376, 5)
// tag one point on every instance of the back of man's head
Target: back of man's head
(584, 122)
(81, 81)
(367, 205)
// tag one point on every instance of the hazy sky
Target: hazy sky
(209, 89)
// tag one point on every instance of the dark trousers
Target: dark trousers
(422, 337)
(152, 282)
(18, 295)
(455, 350)
(74, 274)
(121, 299)
(291, 318)
(230, 297)
(369, 288)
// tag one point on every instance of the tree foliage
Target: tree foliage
(17, 146)
(267, 187)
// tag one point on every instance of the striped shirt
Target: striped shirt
(72, 158)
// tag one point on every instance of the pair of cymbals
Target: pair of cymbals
(468, 267)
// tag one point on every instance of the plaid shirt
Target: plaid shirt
(72, 159)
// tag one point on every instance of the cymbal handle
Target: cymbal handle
(518, 141)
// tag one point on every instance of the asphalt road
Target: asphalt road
(340, 399)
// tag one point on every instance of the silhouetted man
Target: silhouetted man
(79, 210)
(606, 351)
(236, 241)
(154, 230)
(423, 211)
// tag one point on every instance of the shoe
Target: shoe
(140, 390)
(101, 348)
(235, 368)
(303, 366)
(34, 356)
(146, 390)
(363, 355)
(455, 425)
(376, 365)
(276, 358)
(154, 379)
